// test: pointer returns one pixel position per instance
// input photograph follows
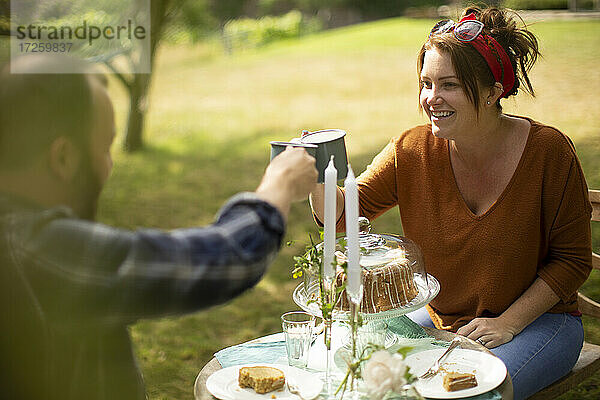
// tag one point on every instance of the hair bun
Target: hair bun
(519, 43)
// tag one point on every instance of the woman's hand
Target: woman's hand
(490, 332)
(317, 202)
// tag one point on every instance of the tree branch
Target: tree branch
(120, 76)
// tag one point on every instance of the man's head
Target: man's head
(55, 131)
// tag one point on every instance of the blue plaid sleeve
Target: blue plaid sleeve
(86, 270)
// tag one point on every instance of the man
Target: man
(70, 286)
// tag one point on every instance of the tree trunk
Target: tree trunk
(138, 104)
(573, 5)
(140, 85)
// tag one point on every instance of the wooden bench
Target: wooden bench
(589, 359)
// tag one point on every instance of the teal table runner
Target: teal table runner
(271, 349)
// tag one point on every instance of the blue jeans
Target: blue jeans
(546, 350)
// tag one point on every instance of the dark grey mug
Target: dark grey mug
(330, 142)
(278, 147)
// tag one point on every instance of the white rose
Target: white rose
(384, 372)
(398, 368)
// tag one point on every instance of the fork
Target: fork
(293, 389)
(435, 368)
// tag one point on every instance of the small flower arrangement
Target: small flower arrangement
(386, 375)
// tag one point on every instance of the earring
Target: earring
(488, 103)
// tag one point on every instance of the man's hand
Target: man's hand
(290, 177)
(490, 332)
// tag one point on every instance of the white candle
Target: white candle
(351, 205)
(329, 222)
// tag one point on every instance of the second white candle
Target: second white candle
(329, 220)
(351, 206)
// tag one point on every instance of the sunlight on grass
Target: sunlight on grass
(212, 116)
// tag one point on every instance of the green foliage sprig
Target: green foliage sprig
(310, 262)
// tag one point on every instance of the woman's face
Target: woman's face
(443, 98)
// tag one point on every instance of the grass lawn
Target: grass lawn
(212, 116)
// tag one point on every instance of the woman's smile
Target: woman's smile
(441, 115)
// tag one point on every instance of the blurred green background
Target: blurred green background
(211, 118)
(231, 75)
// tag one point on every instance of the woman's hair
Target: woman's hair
(472, 71)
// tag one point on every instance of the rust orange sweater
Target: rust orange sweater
(539, 226)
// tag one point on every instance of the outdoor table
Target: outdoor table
(505, 389)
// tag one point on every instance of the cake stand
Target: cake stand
(428, 287)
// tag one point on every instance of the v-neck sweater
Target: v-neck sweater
(538, 227)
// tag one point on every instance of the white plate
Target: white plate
(223, 384)
(489, 371)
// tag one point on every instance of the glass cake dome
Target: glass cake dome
(380, 249)
(395, 280)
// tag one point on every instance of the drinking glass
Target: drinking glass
(373, 332)
(298, 328)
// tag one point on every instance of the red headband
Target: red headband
(496, 58)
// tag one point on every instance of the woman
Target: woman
(498, 203)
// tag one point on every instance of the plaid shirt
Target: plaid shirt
(70, 287)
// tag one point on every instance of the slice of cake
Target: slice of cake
(261, 379)
(454, 381)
